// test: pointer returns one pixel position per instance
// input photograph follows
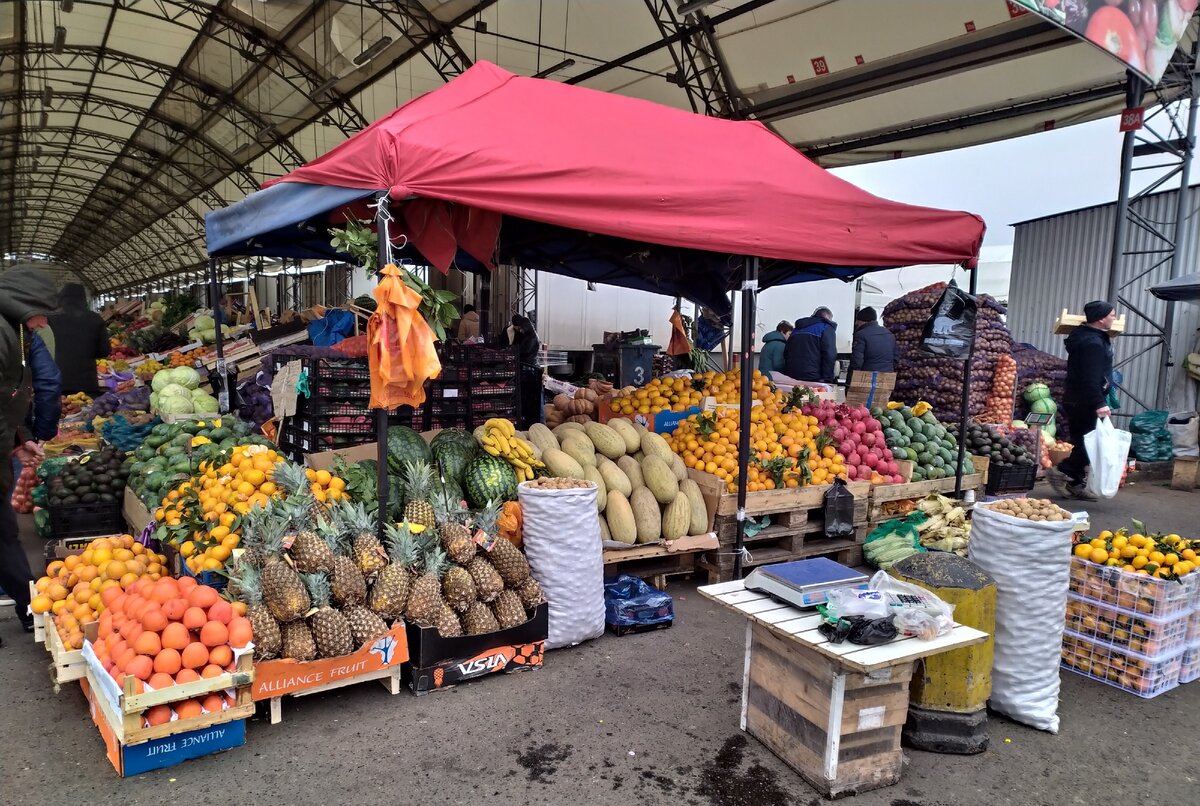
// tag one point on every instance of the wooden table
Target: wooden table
(833, 712)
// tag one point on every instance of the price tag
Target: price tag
(449, 393)
(483, 539)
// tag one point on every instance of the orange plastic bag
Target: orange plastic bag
(401, 354)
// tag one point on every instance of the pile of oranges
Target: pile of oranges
(788, 449)
(73, 589)
(678, 394)
(178, 359)
(1163, 556)
(202, 516)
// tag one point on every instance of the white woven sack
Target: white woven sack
(1031, 563)
(562, 542)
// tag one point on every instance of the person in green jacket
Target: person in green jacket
(771, 357)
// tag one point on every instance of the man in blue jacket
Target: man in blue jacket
(811, 352)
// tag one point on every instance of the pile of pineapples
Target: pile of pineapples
(317, 582)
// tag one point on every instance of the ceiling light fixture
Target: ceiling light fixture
(45, 119)
(694, 6)
(47, 95)
(563, 65)
(373, 51)
(66, 6)
(60, 38)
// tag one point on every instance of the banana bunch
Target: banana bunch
(500, 439)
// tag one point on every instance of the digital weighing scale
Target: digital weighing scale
(804, 583)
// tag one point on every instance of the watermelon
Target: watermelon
(456, 436)
(489, 477)
(405, 445)
(453, 456)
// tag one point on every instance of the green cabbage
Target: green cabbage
(204, 323)
(160, 379)
(185, 376)
(175, 405)
(204, 404)
(174, 390)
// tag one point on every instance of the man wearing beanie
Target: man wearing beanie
(811, 351)
(1089, 373)
(874, 345)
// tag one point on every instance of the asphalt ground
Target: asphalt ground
(636, 720)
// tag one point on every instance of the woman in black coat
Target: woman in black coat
(81, 338)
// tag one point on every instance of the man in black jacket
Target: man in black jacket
(874, 345)
(1089, 374)
(81, 338)
(811, 351)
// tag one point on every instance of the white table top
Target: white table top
(801, 626)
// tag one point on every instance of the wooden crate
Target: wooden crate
(840, 730)
(126, 720)
(66, 665)
(655, 563)
(1185, 473)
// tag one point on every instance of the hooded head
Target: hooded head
(72, 295)
(26, 292)
(823, 313)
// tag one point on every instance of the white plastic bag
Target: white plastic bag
(562, 542)
(1031, 563)
(855, 602)
(1184, 428)
(928, 615)
(1108, 451)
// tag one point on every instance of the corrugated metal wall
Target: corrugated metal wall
(1062, 262)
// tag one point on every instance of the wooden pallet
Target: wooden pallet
(767, 502)
(883, 494)
(389, 678)
(653, 563)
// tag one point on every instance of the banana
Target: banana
(491, 449)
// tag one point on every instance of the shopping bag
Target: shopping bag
(950, 329)
(1108, 451)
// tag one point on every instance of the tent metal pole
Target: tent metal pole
(381, 415)
(965, 410)
(221, 384)
(1135, 89)
(746, 398)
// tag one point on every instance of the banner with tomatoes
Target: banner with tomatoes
(1141, 33)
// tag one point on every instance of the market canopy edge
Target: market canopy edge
(580, 160)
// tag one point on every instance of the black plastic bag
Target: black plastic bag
(950, 329)
(860, 630)
(839, 510)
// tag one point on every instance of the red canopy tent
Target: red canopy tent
(598, 186)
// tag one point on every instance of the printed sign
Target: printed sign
(275, 678)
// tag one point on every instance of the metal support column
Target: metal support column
(1135, 89)
(964, 411)
(220, 381)
(745, 399)
(381, 415)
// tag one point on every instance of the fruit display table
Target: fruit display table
(833, 712)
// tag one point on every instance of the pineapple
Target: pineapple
(365, 624)
(330, 630)
(488, 583)
(283, 589)
(308, 550)
(293, 480)
(425, 600)
(298, 642)
(455, 535)
(509, 610)
(267, 640)
(459, 588)
(479, 619)
(418, 482)
(345, 580)
(531, 594)
(251, 538)
(390, 590)
(365, 548)
(509, 560)
(448, 625)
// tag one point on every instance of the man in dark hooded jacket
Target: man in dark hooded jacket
(874, 345)
(26, 296)
(81, 337)
(811, 351)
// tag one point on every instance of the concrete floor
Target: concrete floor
(644, 719)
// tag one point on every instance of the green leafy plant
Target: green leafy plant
(361, 243)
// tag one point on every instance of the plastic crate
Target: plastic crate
(1193, 632)
(1136, 593)
(1127, 629)
(1128, 671)
(338, 369)
(86, 520)
(338, 390)
(1189, 668)
(1006, 479)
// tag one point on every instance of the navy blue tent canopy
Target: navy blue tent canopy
(1180, 289)
(292, 220)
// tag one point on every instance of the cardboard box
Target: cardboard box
(276, 678)
(870, 388)
(166, 751)
(437, 662)
(664, 422)
(136, 514)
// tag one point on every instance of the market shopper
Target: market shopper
(774, 345)
(1089, 376)
(811, 351)
(468, 326)
(875, 347)
(522, 337)
(81, 337)
(26, 297)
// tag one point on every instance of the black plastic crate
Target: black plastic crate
(338, 390)
(476, 355)
(1007, 479)
(86, 520)
(320, 407)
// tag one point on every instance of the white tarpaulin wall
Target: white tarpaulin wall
(107, 165)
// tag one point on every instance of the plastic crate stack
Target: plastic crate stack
(477, 383)
(1138, 633)
(335, 414)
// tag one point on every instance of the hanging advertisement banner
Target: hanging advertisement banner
(1141, 33)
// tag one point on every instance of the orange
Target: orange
(195, 655)
(1098, 555)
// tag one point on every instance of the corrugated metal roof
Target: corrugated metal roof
(1092, 207)
(1062, 262)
